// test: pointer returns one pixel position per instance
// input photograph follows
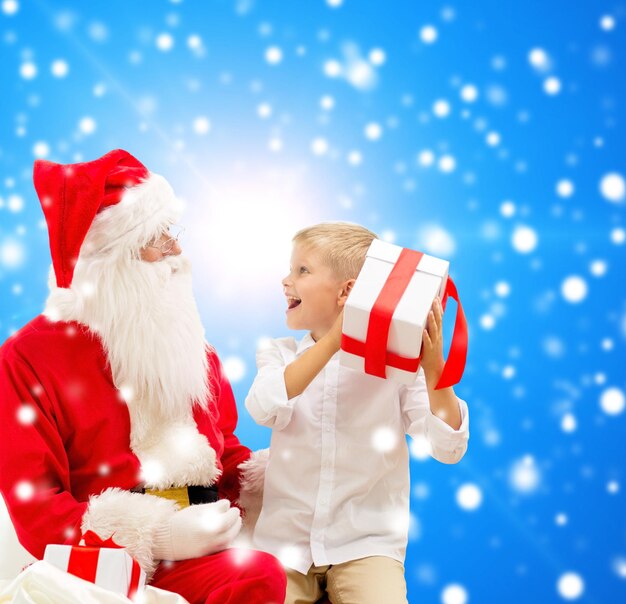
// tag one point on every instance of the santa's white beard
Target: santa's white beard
(146, 316)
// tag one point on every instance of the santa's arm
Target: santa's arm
(35, 477)
(243, 476)
(234, 452)
(34, 471)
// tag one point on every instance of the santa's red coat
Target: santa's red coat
(66, 430)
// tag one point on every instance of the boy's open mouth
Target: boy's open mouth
(292, 302)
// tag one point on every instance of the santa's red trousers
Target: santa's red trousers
(234, 576)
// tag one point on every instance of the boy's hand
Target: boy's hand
(334, 335)
(432, 343)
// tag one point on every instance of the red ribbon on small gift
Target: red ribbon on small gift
(374, 349)
(83, 560)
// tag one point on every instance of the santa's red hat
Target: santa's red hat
(113, 201)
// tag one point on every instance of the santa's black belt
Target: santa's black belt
(184, 496)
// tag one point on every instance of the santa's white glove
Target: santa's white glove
(198, 530)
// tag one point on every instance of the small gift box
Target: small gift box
(101, 562)
(387, 310)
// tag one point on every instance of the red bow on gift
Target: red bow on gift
(92, 539)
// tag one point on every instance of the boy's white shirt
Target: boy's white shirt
(337, 482)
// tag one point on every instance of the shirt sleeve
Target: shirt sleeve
(447, 444)
(234, 452)
(267, 400)
(34, 469)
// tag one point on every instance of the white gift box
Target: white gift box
(109, 568)
(425, 283)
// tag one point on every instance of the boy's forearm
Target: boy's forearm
(443, 403)
(301, 372)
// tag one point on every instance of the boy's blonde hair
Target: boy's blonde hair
(341, 245)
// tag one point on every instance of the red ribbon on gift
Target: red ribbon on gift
(83, 560)
(374, 349)
(92, 539)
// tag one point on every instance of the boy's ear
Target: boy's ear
(346, 288)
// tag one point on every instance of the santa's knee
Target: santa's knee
(263, 569)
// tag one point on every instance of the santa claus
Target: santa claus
(116, 414)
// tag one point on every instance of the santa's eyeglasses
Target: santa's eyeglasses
(168, 245)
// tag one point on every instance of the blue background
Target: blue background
(547, 311)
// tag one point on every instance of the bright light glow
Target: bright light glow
(507, 209)
(487, 322)
(574, 289)
(384, 439)
(273, 55)
(565, 188)
(10, 7)
(201, 125)
(568, 423)
(493, 139)
(613, 187)
(612, 487)
(447, 164)
(619, 567)
(235, 368)
(11, 254)
(26, 414)
(426, 158)
(28, 70)
(327, 102)
(373, 131)
(607, 23)
(539, 59)
(319, 146)
(570, 586)
(469, 93)
(419, 448)
(441, 108)
(612, 401)
(436, 240)
(598, 268)
(59, 68)
(24, 490)
(332, 68)
(469, 496)
(524, 239)
(377, 56)
(41, 149)
(165, 42)
(503, 289)
(87, 125)
(454, 594)
(618, 236)
(15, 203)
(428, 34)
(524, 476)
(360, 74)
(552, 86)
(243, 222)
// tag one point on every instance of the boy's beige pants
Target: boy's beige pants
(372, 580)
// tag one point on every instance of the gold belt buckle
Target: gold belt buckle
(179, 495)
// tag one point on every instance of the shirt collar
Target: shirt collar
(304, 344)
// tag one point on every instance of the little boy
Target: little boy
(336, 499)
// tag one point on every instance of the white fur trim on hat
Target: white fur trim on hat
(144, 212)
(131, 519)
